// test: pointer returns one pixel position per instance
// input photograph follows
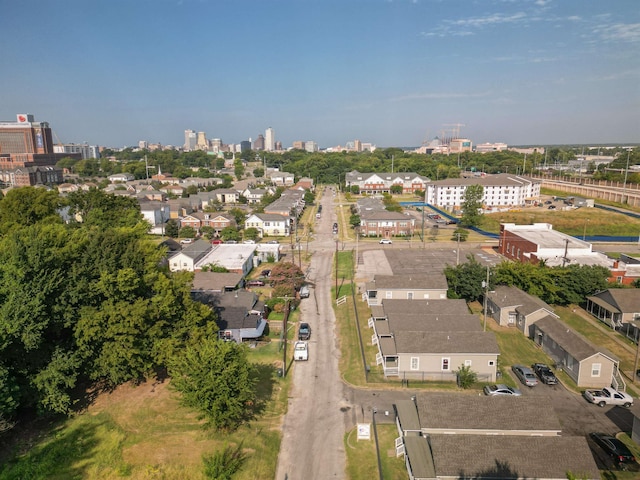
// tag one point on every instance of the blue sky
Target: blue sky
(389, 72)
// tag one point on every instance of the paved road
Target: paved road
(314, 426)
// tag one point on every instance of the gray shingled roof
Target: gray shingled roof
(434, 323)
(215, 281)
(446, 342)
(569, 340)
(505, 296)
(627, 300)
(445, 410)
(407, 307)
(197, 248)
(489, 456)
(419, 457)
(408, 282)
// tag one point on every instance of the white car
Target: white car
(501, 389)
(301, 351)
(386, 241)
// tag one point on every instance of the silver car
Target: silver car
(525, 375)
(501, 389)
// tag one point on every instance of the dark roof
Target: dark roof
(215, 281)
(433, 323)
(509, 456)
(627, 300)
(237, 318)
(386, 215)
(197, 248)
(569, 340)
(407, 307)
(436, 280)
(446, 342)
(460, 411)
(505, 296)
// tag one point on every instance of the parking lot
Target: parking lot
(577, 416)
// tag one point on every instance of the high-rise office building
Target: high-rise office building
(259, 143)
(245, 145)
(269, 140)
(357, 145)
(201, 141)
(278, 146)
(189, 140)
(298, 145)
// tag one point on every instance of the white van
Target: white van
(304, 291)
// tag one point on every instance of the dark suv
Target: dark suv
(304, 332)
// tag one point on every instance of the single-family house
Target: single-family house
(255, 195)
(210, 282)
(587, 364)
(268, 224)
(406, 287)
(176, 190)
(189, 256)
(240, 314)
(227, 195)
(616, 307)
(121, 177)
(511, 307)
(281, 178)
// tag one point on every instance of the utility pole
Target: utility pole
(458, 250)
(486, 294)
(336, 268)
(626, 173)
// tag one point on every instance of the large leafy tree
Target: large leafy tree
(94, 207)
(215, 378)
(471, 205)
(27, 206)
(466, 280)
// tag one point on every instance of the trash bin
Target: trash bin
(279, 372)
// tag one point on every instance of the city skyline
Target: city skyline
(393, 73)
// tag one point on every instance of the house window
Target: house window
(389, 294)
(445, 364)
(467, 363)
(491, 363)
(415, 363)
(595, 369)
(409, 295)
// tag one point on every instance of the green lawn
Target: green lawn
(361, 455)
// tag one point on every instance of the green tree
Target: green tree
(230, 234)
(258, 172)
(396, 189)
(354, 220)
(95, 207)
(287, 278)
(251, 233)
(466, 377)
(460, 234)
(471, 205)
(171, 228)
(355, 189)
(466, 280)
(215, 378)
(238, 215)
(188, 232)
(27, 206)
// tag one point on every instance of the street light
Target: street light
(584, 232)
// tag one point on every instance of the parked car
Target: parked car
(501, 389)
(273, 242)
(608, 396)
(216, 241)
(301, 351)
(304, 332)
(304, 291)
(186, 241)
(249, 242)
(265, 273)
(551, 207)
(548, 202)
(525, 375)
(613, 447)
(255, 283)
(386, 241)
(545, 373)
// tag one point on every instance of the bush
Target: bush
(223, 464)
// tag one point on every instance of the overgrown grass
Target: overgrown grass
(144, 433)
(571, 222)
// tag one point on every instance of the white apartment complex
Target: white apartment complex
(502, 190)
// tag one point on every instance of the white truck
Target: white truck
(301, 351)
(608, 396)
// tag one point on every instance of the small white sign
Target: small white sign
(364, 431)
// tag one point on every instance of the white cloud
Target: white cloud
(624, 32)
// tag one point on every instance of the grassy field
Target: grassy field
(571, 222)
(142, 432)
